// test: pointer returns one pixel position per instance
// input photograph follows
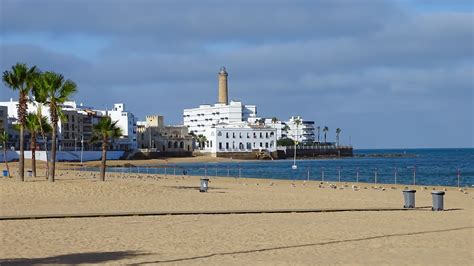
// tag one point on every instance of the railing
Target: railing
(405, 175)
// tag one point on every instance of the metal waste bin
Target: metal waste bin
(409, 196)
(5, 173)
(204, 185)
(438, 200)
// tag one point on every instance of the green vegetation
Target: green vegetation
(21, 78)
(104, 132)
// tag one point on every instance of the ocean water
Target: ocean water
(428, 166)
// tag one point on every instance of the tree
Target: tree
(105, 131)
(201, 139)
(297, 123)
(274, 119)
(285, 142)
(36, 124)
(325, 130)
(51, 89)
(338, 131)
(21, 79)
(4, 140)
(319, 129)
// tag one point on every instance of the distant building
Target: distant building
(303, 132)
(206, 115)
(77, 129)
(239, 137)
(153, 135)
(3, 118)
(127, 123)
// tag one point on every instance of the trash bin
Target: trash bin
(5, 173)
(438, 200)
(409, 196)
(204, 185)
(30, 173)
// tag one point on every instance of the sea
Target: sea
(435, 167)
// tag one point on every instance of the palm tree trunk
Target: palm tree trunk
(52, 166)
(104, 160)
(33, 153)
(21, 164)
(5, 158)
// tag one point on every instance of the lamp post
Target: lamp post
(82, 147)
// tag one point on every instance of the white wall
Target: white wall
(65, 155)
(206, 116)
(242, 138)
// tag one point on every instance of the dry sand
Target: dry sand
(396, 237)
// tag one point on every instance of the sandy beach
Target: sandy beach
(390, 237)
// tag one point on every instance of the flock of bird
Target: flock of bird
(293, 184)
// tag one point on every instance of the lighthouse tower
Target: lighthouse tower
(223, 91)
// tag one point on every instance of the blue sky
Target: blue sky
(388, 73)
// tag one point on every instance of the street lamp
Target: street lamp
(82, 147)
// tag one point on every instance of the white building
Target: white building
(239, 137)
(206, 115)
(303, 132)
(198, 120)
(127, 123)
(80, 121)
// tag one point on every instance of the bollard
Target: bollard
(409, 196)
(204, 185)
(438, 200)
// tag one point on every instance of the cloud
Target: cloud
(325, 60)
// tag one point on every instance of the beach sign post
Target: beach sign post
(357, 175)
(395, 175)
(339, 173)
(459, 178)
(375, 176)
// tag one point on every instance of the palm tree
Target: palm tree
(21, 78)
(338, 131)
(325, 130)
(201, 140)
(319, 129)
(297, 123)
(4, 141)
(105, 131)
(36, 124)
(51, 89)
(274, 119)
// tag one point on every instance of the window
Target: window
(240, 135)
(261, 135)
(241, 146)
(248, 135)
(249, 146)
(233, 135)
(227, 145)
(227, 135)
(220, 145)
(266, 145)
(261, 145)
(266, 135)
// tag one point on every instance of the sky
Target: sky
(390, 74)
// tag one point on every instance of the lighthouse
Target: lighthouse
(223, 91)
